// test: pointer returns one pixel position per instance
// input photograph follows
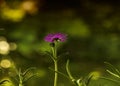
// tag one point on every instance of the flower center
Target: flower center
(56, 39)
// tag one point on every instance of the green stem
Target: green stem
(117, 82)
(60, 73)
(20, 84)
(70, 75)
(56, 74)
(20, 78)
(68, 71)
(54, 50)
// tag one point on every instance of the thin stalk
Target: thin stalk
(56, 74)
(20, 84)
(68, 71)
(60, 73)
(70, 75)
(20, 78)
(117, 82)
(54, 51)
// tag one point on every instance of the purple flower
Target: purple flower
(55, 37)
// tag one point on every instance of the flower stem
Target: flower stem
(54, 51)
(56, 74)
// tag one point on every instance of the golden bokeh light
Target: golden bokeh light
(13, 46)
(5, 63)
(29, 6)
(18, 11)
(12, 14)
(4, 47)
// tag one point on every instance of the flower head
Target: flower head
(55, 37)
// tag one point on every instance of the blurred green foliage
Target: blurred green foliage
(92, 27)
